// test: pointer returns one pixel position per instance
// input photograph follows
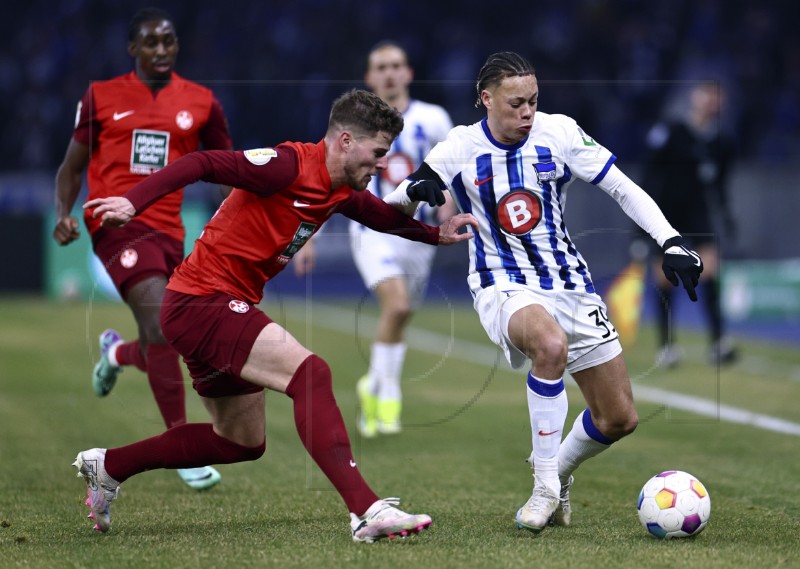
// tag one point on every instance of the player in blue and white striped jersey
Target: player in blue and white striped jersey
(396, 270)
(531, 287)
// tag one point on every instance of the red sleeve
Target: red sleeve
(215, 134)
(376, 214)
(87, 129)
(227, 167)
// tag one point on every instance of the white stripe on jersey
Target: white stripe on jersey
(424, 125)
(522, 238)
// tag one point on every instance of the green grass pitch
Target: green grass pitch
(460, 457)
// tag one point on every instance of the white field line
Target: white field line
(342, 320)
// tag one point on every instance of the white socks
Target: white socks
(547, 406)
(583, 442)
(385, 370)
(111, 355)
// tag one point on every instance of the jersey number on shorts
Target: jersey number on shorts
(601, 321)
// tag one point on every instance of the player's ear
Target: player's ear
(486, 99)
(133, 48)
(346, 140)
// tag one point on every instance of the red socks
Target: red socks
(317, 418)
(164, 374)
(166, 382)
(130, 354)
(321, 428)
(185, 446)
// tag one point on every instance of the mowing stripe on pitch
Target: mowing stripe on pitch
(341, 320)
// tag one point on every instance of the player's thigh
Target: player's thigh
(239, 418)
(392, 295)
(535, 332)
(416, 259)
(274, 358)
(607, 390)
(144, 299)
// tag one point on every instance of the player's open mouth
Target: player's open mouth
(162, 67)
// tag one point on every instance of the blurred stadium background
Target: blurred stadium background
(615, 66)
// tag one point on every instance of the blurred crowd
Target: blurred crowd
(614, 65)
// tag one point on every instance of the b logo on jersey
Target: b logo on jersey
(399, 167)
(238, 306)
(128, 258)
(518, 212)
(184, 120)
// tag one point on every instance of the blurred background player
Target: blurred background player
(394, 269)
(531, 287)
(125, 129)
(686, 171)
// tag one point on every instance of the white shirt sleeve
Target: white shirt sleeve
(400, 200)
(637, 204)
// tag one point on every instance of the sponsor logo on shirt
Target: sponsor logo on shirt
(518, 212)
(304, 232)
(399, 167)
(260, 156)
(149, 151)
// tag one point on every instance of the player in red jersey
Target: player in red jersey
(127, 128)
(233, 350)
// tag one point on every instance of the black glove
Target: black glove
(425, 191)
(681, 262)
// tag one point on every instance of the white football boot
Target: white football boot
(382, 519)
(100, 487)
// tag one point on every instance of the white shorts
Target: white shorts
(379, 256)
(592, 339)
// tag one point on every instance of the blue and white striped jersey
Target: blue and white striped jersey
(424, 125)
(518, 193)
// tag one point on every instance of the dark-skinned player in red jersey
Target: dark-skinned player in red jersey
(281, 197)
(127, 128)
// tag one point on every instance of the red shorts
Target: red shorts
(135, 252)
(214, 334)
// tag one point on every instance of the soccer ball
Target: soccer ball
(674, 504)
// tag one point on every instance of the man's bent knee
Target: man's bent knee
(619, 427)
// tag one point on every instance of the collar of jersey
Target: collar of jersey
(498, 144)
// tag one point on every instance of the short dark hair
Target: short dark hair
(150, 14)
(364, 113)
(500, 65)
(384, 44)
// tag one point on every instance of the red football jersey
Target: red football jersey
(133, 132)
(282, 196)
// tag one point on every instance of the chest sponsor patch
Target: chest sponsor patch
(149, 151)
(304, 232)
(260, 156)
(519, 212)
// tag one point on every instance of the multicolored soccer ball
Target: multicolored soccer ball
(674, 504)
